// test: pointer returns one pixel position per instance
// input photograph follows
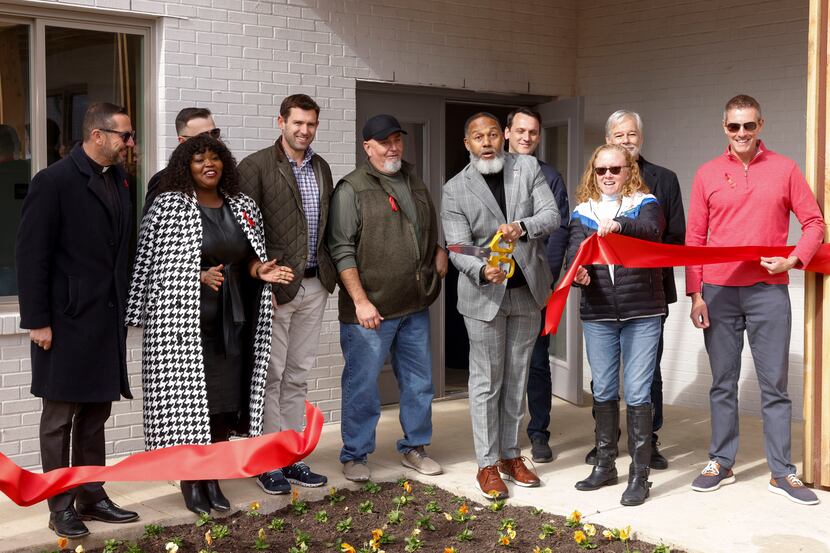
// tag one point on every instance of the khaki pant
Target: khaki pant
(295, 337)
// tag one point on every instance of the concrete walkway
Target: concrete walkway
(743, 517)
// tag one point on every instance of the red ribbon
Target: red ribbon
(223, 460)
(615, 249)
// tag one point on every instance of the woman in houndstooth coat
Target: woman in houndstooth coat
(201, 291)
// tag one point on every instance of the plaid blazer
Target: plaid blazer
(471, 215)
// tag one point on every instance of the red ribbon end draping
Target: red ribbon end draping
(615, 249)
(223, 460)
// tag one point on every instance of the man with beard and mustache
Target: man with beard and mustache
(383, 237)
(507, 193)
(72, 250)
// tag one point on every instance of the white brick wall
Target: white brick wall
(677, 63)
(240, 58)
(674, 62)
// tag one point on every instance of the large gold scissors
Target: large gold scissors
(497, 253)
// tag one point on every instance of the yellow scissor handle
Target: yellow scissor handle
(497, 260)
(496, 244)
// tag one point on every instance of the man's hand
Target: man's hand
(510, 232)
(582, 277)
(700, 312)
(494, 274)
(42, 337)
(367, 315)
(441, 261)
(775, 265)
(607, 226)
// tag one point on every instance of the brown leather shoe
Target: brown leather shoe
(490, 483)
(514, 469)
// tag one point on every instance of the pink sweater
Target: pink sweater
(736, 206)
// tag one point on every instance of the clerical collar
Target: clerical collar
(98, 168)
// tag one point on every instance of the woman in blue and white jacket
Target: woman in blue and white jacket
(621, 311)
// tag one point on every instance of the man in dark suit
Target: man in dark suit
(626, 129)
(523, 134)
(72, 250)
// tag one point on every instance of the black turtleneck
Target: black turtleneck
(495, 181)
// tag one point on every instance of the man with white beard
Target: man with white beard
(506, 193)
(383, 239)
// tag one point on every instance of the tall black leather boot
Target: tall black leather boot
(604, 472)
(195, 497)
(639, 446)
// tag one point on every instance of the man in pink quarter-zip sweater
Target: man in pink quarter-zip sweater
(744, 197)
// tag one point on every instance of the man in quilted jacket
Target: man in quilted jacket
(292, 186)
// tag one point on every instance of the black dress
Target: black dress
(222, 312)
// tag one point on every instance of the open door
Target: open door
(562, 140)
(420, 116)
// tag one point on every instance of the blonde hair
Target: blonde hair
(588, 187)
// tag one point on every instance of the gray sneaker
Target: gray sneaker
(418, 459)
(712, 477)
(793, 489)
(357, 470)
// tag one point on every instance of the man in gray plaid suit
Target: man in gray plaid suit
(499, 192)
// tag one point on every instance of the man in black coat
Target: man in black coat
(523, 134)
(626, 129)
(190, 122)
(72, 250)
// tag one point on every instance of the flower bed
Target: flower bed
(391, 517)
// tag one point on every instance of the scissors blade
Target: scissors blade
(475, 251)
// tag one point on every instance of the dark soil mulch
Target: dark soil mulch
(325, 526)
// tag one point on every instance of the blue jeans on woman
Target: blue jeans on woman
(365, 352)
(634, 342)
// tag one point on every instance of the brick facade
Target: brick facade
(241, 57)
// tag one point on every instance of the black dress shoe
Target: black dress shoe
(657, 460)
(106, 511)
(195, 496)
(214, 494)
(66, 524)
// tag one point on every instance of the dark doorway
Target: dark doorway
(456, 342)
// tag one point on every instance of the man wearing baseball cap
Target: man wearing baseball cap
(383, 238)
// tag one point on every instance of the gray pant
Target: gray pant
(499, 359)
(763, 310)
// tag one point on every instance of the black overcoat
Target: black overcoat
(72, 257)
(664, 185)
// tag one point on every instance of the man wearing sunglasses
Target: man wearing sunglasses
(190, 122)
(72, 249)
(625, 128)
(744, 197)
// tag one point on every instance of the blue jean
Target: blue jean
(633, 341)
(365, 351)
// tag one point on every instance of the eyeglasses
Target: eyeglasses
(125, 135)
(735, 127)
(213, 133)
(616, 170)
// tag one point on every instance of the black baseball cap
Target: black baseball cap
(380, 127)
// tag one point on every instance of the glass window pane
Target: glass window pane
(15, 154)
(84, 67)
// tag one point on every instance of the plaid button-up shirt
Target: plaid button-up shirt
(310, 195)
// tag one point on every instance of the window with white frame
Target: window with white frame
(51, 69)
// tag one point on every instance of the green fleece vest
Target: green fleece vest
(396, 264)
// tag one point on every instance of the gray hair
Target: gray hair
(617, 117)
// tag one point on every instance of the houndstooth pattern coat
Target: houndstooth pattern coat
(164, 300)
